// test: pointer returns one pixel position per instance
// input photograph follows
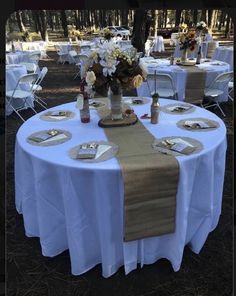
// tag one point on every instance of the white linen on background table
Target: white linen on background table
(13, 73)
(225, 54)
(78, 206)
(179, 76)
(18, 57)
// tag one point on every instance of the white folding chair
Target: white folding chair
(231, 89)
(35, 57)
(19, 94)
(164, 85)
(83, 62)
(37, 87)
(62, 55)
(84, 48)
(213, 91)
(30, 67)
(76, 60)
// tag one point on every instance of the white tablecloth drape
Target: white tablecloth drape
(78, 206)
(225, 54)
(13, 73)
(18, 57)
(179, 75)
(158, 44)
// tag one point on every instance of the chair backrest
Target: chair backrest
(72, 53)
(30, 67)
(84, 48)
(132, 52)
(28, 78)
(221, 78)
(35, 56)
(83, 58)
(162, 81)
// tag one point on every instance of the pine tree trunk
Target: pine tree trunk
(44, 31)
(177, 17)
(156, 23)
(195, 13)
(34, 16)
(20, 21)
(227, 27)
(221, 20)
(139, 30)
(50, 20)
(64, 23)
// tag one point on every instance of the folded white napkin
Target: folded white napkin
(55, 138)
(101, 150)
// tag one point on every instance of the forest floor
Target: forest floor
(29, 273)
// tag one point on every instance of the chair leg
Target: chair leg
(218, 105)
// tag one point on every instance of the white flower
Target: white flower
(137, 80)
(109, 66)
(90, 78)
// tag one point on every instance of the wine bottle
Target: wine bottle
(199, 56)
(155, 108)
(84, 112)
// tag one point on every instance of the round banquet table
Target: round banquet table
(13, 73)
(18, 57)
(70, 204)
(179, 75)
(225, 54)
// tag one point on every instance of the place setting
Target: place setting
(198, 124)
(137, 101)
(177, 146)
(94, 151)
(57, 115)
(178, 109)
(49, 137)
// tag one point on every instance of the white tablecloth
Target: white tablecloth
(158, 44)
(179, 75)
(79, 206)
(13, 73)
(225, 54)
(18, 57)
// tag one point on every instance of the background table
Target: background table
(13, 73)
(78, 206)
(18, 57)
(179, 75)
(225, 54)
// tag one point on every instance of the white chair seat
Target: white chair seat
(165, 92)
(213, 92)
(30, 67)
(20, 94)
(37, 87)
(231, 84)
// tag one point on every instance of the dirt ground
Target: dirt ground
(29, 273)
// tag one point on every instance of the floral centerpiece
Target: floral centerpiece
(112, 71)
(183, 27)
(107, 34)
(201, 27)
(188, 42)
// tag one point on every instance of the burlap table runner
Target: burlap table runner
(211, 46)
(195, 84)
(150, 182)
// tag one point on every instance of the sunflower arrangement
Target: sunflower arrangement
(188, 40)
(112, 68)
